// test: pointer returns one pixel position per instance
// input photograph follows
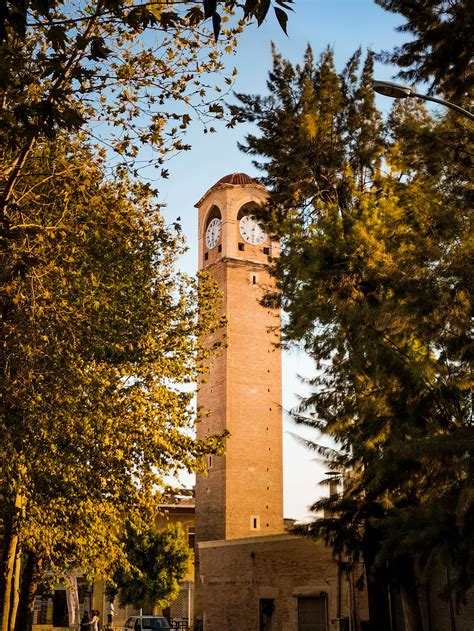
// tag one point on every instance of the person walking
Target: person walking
(94, 622)
(85, 622)
(110, 614)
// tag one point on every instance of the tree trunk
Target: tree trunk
(7, 524)
(377, 585)
(15, 589)
(379, 610)
(29, 587)
(409, 597)
(9, 568)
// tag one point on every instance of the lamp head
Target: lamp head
(393, 90)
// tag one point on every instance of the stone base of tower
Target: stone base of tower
(271, 583)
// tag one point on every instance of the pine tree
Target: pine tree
(374, 219)
(441, 49)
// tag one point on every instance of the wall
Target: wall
(237, 574)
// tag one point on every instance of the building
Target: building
(250, 573)
(52, 611)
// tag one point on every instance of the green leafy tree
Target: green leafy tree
(440, 51)
(153, 566)
(375, 223)
(135, 72)
(100, 346)
(99, 333)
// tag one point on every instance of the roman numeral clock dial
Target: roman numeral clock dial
(252, 231)
(213, 233)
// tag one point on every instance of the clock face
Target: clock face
(213, 233)
(251, 230)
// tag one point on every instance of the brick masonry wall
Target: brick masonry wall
(237, 574)
(242, 493)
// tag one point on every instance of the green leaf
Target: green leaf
(285, 4)
(261, 10)
(282, 19)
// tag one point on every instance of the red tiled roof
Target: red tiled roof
(235, 178)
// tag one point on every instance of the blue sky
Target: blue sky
(345, 25)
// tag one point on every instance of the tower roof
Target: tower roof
(238, 179)
(232, 179)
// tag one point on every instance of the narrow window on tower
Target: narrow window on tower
(254, 522)
(241, 247)
(191, 538)
(219, 248)
(266, 251)
(253, 278)
(206, 255)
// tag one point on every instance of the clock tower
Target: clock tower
(241, 493)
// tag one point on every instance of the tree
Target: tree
(99, 333)
(154, 564)
(133, 72)
(100, 341)
(374, 221)
(441, 49)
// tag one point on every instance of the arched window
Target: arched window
(247, 209)
(214, 213)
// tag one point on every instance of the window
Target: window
(312, 613)
(43, 607)
(247, 209)
(155, 623)
(191, 538)
(60, 610)
(266, 251)
(267, 608)
(206, 255)
(214, 213)
(254, 522)
(241, 247)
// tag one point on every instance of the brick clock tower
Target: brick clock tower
(241, 494)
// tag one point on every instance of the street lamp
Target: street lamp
(395, 91)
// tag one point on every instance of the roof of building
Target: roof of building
(238, 179)
(232, 179)
(178, 505)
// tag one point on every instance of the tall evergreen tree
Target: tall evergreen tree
(440, 52)
(374, 220)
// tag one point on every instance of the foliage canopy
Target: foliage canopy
(130, 74)
(155, 563)
(441, 49)
(100, 344)
(375, 275)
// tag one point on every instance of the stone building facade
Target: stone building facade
(250, 574)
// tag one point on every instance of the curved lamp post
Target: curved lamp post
(395, 91)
